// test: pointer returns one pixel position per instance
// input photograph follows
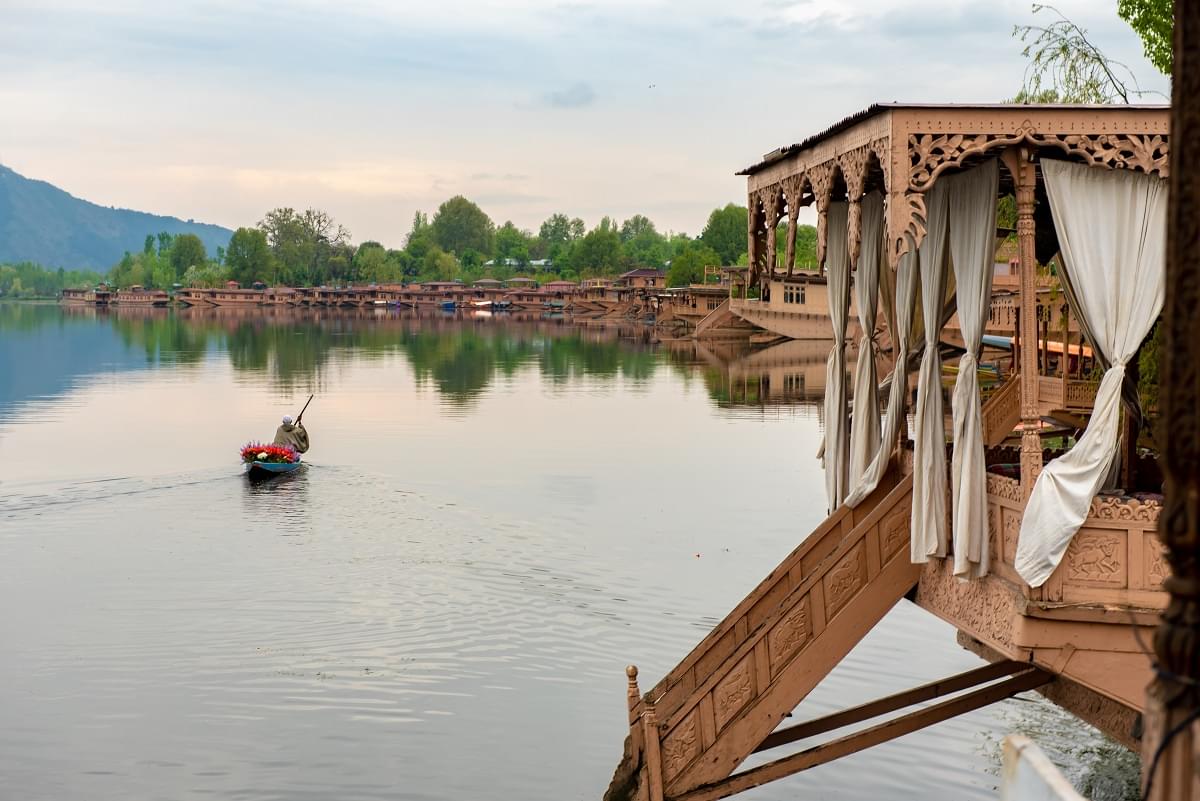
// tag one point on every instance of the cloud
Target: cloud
(577, 95)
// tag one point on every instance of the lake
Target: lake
(495, 518)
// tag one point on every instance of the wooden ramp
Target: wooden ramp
(723, 700)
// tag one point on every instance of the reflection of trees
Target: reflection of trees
(458, 357)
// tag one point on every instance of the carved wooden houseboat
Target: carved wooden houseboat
(1057, 600)
(97, 296)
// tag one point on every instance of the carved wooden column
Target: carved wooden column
(1174, 697)
(792, 190)
(751, 240)
(1018, 162)
(771, 219)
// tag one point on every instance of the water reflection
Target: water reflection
(457, 355)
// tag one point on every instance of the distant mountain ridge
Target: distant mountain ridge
(41, 223)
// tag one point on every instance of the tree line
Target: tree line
(310, 248)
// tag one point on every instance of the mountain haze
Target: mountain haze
(41, 223)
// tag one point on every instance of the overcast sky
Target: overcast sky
(371, 110)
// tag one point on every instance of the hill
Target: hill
(41, 223)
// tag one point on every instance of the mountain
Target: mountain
(41, 223)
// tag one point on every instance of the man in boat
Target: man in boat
(293, 435)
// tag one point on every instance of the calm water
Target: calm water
(496, 517)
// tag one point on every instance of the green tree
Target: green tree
(512, 243)
(806, 246)
(599, 251)
(688, 266)
(1154, 22)
(635, 226)
(249, 257)
(459, 225)
(725, 232)
(187, 250)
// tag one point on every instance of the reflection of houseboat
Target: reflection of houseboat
(99, 296)
(138, 296)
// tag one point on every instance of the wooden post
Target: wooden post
(654, 774)
(632, 694)
(1019, 161)
(1174, 697)
(1064, 362)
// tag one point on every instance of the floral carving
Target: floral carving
(789, 635)
(680, 746)
(845, 579)
(1157, 568)
(1004, 487)
(733, 691)
(1112, 508)
(821, 177)
(1096, 558)
(983, 608)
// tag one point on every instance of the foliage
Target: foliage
(309, 248)
(459, 225)
(806, 246)
(187, 251)
(1066, 67)
(249, 258)
(688, 266)
(725, 232)
(599, 251)
(1154, 22)
(29, 280)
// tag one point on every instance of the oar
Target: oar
(310, 397)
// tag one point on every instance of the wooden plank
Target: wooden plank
(925, 692)
(859, 741)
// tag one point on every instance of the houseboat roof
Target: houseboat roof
(876, 109)
(488, 282)
(522, 280)
(643, 272)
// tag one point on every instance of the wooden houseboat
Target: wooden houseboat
(139, 296)
(97, 296)
(1056, 586)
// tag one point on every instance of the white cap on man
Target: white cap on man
(287, 419)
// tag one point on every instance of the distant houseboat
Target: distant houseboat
(137, 295)
(100, 296)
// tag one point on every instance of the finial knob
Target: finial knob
(631, 671)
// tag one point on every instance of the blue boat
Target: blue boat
(259, 471)
(448, 305)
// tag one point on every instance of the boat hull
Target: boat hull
(260, 471)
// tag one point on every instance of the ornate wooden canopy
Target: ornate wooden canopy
(901, 150)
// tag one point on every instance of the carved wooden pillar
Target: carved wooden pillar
(751, 240)
(1174, 697)
(792, 188)
(771, 212)
(1018, 161)
(653, 752)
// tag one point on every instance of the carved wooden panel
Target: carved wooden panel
(1010, 532)
(1097, 558)
(681, 746)
(733, 691)
(985, 609)
(1155, 561)
(1112, 508)
(790, 635)
(893, 534)
(845, 579)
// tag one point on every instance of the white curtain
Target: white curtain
(905, 307)
(972, 199)
(1112, 227)
(929, 441)
(864, 435)
(837, 442)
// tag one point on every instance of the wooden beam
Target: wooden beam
(926, 692)
(859, 741)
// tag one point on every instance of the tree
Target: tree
(1154, 22)
(249, 257)
(688, 267)
(512, 243)
(459, 225)
(186, 251)
(1065, 66)
(806, 246)
(635, 226)
(598, 251)
(725, 232)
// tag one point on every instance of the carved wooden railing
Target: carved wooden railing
(709, 713)
(1001, 413)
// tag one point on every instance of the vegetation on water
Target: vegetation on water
(459, 242)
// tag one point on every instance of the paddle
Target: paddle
(301, 415)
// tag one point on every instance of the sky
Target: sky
(372, 110)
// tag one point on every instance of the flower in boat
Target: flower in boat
(278, 454)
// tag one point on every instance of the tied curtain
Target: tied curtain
(929, 440)
(837, 442)
(972, 200)
(902, 344)
(1111, 225)
(864, 434)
